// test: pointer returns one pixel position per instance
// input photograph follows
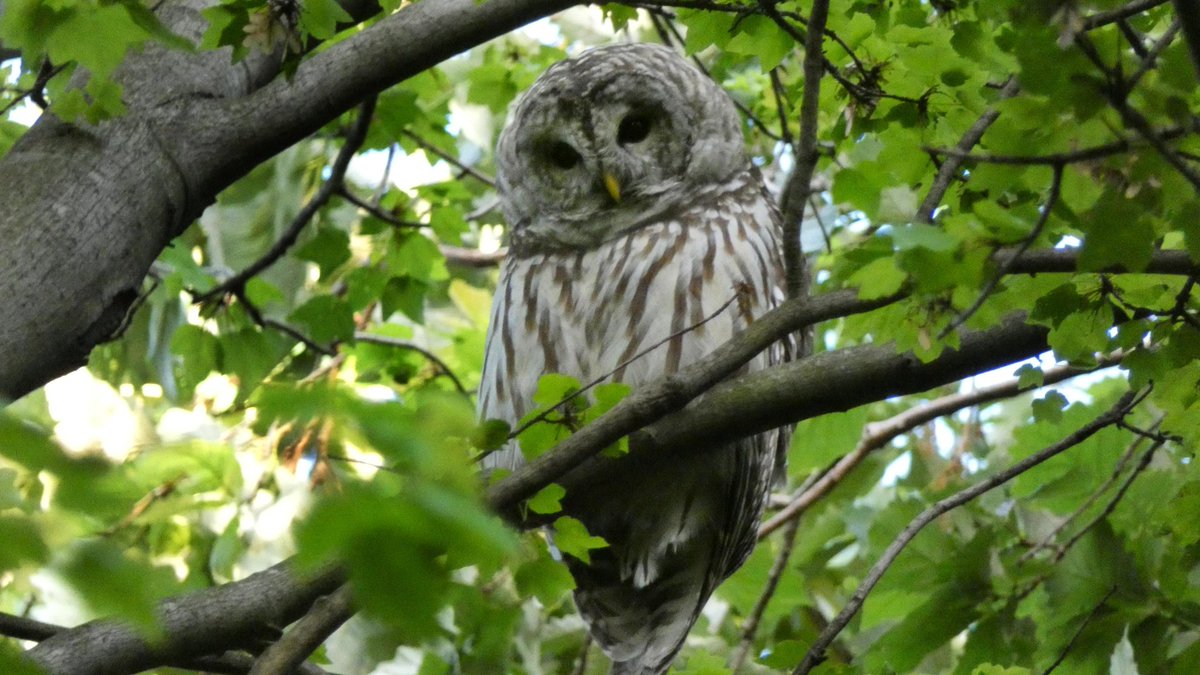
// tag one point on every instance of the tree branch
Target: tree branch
(671, 393)
(816, 653)
(291, 650)
(332, 185)
(799, 184)
(950, 168)
(103, 200)
(207, 622)
(443, 369)
(877, 435)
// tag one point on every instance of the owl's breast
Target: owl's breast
(636, 307)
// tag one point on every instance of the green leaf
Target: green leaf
(319, 18)
(22, 542)
(328, 248)
(544, 579)
(325, 318)
(113, 583)
(407, 295)
(1029, 376)
(878, 278)
(490, 435)
(573, 539)
(920, 235)
(548, 499)
(1049, 408)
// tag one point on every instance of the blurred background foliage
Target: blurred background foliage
(325, 408)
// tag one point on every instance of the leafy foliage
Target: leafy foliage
(317, 410)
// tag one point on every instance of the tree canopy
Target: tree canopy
(247, 261)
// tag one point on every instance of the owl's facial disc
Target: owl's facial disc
(612, 140)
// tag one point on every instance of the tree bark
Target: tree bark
(211, 621)
(89, 207)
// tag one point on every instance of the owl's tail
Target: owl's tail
(641, 628)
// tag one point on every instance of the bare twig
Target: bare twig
(443, 369)
(986, 291)
(1104, 18)
(816, 653)
(373, 209)
(469, 257)
(950, 168)
(1150, 57)
(452, 160)
(581, 663)
(1112, 503)
(1118, 468)
(1072, 157)
(878, 434)
(1079, 631)
(337, 174)
(257, 317)
(306, 635)
(799, 184)
(1066, 260)
(778, 568)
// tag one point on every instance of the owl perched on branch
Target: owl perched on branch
(636, 215)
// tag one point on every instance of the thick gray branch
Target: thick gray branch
(208, 622)
(89, 207)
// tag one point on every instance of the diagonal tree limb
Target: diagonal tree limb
(816, 652)
(289, 652)
(953, 164)
(211, 621)
(877, 435)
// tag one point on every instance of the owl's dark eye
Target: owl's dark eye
(562, 155)
(634, 128)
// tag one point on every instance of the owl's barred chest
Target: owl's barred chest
(633, 309)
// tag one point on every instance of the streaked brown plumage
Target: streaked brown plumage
(620, 240)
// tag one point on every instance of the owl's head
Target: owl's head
(611, 140)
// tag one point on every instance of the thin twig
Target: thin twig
(451, 159)
(470, 257)
(1072, 157)
(306, 635)
(986, 291)
(878, 434)
(443, 369)
(1112, 503)
(337, 174)
(1118, 468)
(670, 35)
(950, 168)
(1104, 18)
(1117, 94)
(257, 317)
(799, 184)
(374, 209)
(581, 664)
(1150, 58)
(754, 618)
(1079, 631)
(816, 653)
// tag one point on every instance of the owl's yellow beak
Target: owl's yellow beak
(613, 187)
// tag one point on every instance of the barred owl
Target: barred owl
(635, 215)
